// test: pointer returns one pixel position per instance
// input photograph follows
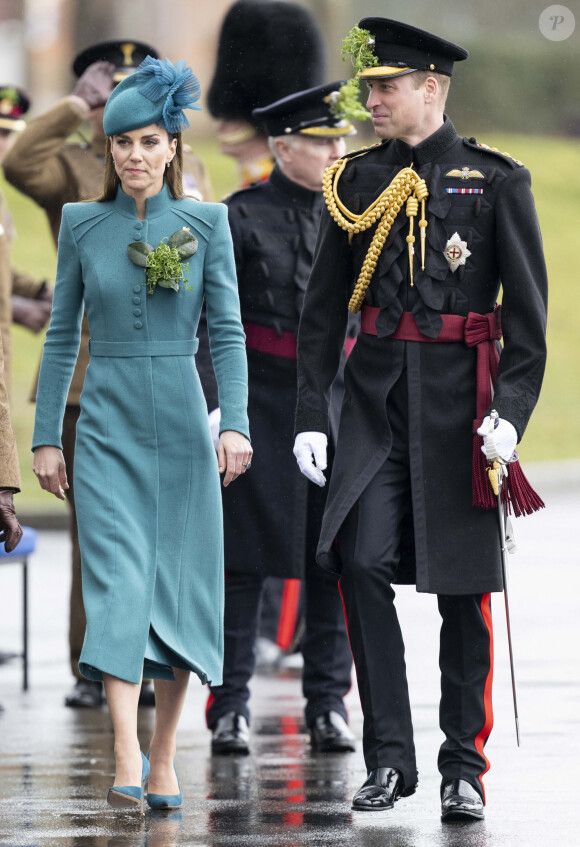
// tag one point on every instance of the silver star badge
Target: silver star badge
(456, 252)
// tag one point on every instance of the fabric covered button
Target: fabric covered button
(138, 324)
(137, 312)
(137, 289)
(136, 300)
(139, 225)
(137, 236)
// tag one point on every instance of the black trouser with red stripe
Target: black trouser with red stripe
(326, 677)
(466, 663)
(369, 543)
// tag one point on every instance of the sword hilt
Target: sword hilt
(490, 446)
(496, 469)
(494, 474)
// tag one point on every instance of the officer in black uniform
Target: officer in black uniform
(272, 523)
(290, 58)
(420, 230)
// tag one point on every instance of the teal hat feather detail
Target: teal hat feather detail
(157, 93)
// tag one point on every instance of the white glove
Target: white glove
(501, 443)
(310, 452)
(214, 419)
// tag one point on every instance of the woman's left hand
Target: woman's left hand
(234, 455)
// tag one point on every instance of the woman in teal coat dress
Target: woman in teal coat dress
(148, 501)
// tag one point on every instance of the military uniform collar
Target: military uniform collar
(154, 206)
(303, 197)
(433, 146)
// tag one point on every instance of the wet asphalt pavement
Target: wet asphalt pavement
(56, 764)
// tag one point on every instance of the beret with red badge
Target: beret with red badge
(14, 104)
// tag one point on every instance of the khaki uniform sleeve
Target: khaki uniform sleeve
(35, 165)
(5, 295)
(9, 470)
(24, 285)
(196, 179)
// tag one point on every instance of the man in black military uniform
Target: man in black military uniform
(291, 58)
(272, 525)
(420, 230)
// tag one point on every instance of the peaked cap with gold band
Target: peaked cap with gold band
(401, 49)
(126, 56)
(309, 112)
(14, 103)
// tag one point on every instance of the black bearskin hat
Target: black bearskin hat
(267, 49)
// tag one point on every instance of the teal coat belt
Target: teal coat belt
(128, 349)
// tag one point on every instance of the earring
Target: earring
(169, 162)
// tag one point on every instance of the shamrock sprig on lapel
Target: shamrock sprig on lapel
(164, 264)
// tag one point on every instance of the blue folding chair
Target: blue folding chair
(20, 557)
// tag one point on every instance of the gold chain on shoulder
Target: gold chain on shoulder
(406, 186)
(503, 153)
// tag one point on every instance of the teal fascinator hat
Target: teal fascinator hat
(157, 93)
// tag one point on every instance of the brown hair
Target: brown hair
(419, 77)
(173, 174)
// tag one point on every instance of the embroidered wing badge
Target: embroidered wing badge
(456, 252)
(465, 173)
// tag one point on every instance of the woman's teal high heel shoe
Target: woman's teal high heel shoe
(165, 801)
(129, 796)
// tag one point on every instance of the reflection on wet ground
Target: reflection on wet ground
(280, 795)
(56, 763)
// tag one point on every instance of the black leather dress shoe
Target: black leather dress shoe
(231, 735)
(330, 734)
(382, 789)
(460, 801)
(86, 694)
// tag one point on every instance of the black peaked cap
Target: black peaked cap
(406, 46)
(125, 55)
(306, 112)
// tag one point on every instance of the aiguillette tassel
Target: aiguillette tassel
(412, 209)
(423, 227)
